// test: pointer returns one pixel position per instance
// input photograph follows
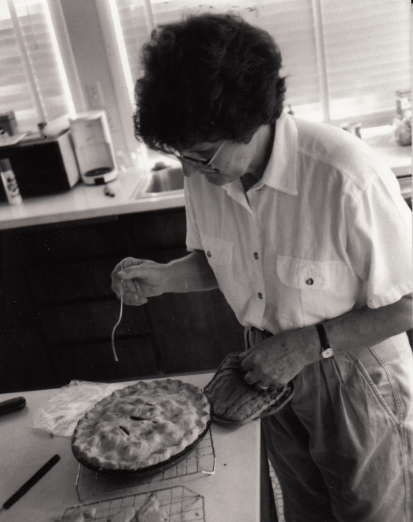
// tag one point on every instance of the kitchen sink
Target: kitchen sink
(165, 179)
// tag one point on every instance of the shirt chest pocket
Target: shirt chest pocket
(218, 251)
(321, 289)
(219, 256)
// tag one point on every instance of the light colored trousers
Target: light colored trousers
(343, 447)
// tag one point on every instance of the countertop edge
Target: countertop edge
(22, 217)
(88, 202)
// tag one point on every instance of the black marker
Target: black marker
(31, 482)
(12, 404)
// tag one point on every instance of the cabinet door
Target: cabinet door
(155, 231)
(57, 295)
(193, 331)
(69, 284)
(24, 362)
(189, 331)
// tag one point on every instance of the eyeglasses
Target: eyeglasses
(198, 162)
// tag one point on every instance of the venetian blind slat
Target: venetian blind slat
(15, 93)
(367, 54)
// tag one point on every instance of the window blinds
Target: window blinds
(367, 45)
(30, 80)
(289, 21)
(342, 59)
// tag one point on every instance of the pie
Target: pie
(125, 515)
(236, 402)
(141, 425)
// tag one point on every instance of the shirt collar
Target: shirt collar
(236, 192)
(281, 171)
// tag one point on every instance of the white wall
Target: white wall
(88, 46)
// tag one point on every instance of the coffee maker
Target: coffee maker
(93, 147)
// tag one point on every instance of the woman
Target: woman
(304, 230)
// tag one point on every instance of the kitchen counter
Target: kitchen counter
(89, 201)
(84, 202)
(231, 494)
(381, 140)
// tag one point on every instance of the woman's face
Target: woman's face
(233, 161)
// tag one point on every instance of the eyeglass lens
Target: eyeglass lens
(200, 161)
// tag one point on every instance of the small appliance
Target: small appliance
(42, 165)
(94, 148)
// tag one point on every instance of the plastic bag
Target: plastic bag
(61, 413)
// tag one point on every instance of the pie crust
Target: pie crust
(236, 402)
(141, 425)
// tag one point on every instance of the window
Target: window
(367, 53)
(342, 59)
(32, 80)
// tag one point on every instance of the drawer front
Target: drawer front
(91, 321)
(25, 365)
(95, 362)
(76, 281)
(48, 245)
(156, 230)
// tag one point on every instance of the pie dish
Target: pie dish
(142, 426)
(236, 402)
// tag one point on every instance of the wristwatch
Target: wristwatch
(326, 350)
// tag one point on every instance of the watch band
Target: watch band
(326, 350)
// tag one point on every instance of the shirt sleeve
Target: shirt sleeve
(193, 238)
(380, 241)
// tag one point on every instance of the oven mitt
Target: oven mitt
(236, 402)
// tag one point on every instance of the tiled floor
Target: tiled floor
(279, 503)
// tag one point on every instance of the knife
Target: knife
(30, 483)
(12, 404)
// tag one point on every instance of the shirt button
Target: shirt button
(256, 255)
(309, 281)
(209, 253)
(260, 295)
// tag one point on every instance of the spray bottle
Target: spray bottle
(9, 182)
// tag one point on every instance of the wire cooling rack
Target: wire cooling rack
(179, 502)
(200, 462)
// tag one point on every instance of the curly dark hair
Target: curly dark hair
(210, 75)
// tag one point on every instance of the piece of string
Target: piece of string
(116, 325)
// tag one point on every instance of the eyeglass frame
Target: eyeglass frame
(202, 162)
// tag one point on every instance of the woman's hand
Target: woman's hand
(276, 360)
(138, 279)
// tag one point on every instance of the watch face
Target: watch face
(327, 353)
